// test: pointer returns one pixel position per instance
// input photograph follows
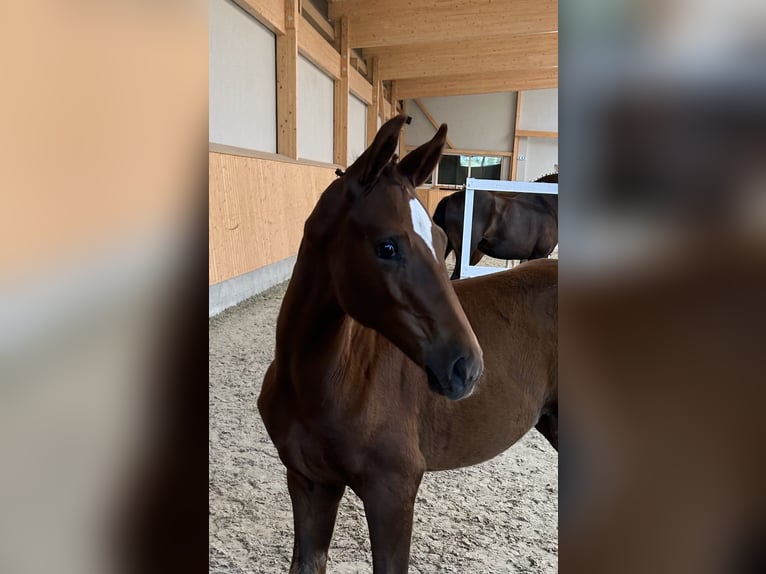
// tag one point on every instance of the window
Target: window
(243, 89)
(454, 169)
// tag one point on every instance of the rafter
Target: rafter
(395, 22)
(495, 54)
(487, 83)
(431, 119)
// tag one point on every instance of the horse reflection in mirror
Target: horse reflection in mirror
(522, 226)
(384, 369)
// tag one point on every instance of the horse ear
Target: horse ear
(368, 166)
(420, 162)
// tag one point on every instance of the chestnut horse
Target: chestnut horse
(375, 347)
(505, 225)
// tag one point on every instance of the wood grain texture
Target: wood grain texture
(287, 83)
(476, 55)
(536, 134)
(431, 196)
(257, 211)
(309, 10)
(318, 50)
(373, 110)
(487, 83)
(360, 87)
(515, 160)
(394, 22)
(270, 13)
(340, 114)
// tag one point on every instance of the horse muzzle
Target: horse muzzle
(456, 377)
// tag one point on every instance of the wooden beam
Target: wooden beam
(536, 134)
(270, 13)
(403, 135)
(453, 151)
(385, 111)
(431, 119)
(359, 65)
(340, 117)
(515, 160)
(454, 85)
(287, 83)
(480, 55)
(385, 102)
(394, 110)
(313, 14)
(318, 50)
(372, 109)
(396, 22)
(360, 87)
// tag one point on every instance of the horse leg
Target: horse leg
(389, 503)
(548, 424)
(476, 254)
(457, 245)
(315, 507)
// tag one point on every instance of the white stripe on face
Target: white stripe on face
(421, 223)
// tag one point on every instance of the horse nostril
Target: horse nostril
(459, 372)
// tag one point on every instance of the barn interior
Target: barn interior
(298, 89)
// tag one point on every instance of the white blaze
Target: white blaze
(421, 223)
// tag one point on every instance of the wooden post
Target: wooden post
(373, 108)
(340, 122)
(515, 161)
(403, 136)
(394, 111)
(287, 83)
(384, 109)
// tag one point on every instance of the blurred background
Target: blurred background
(663, 174)
(103, 111)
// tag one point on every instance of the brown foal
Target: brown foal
(375, 347)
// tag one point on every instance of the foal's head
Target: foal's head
(382, 252)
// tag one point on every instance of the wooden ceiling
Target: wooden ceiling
(450, 47)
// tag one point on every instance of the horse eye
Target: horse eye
(386, 250)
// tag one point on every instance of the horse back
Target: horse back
(514, 315)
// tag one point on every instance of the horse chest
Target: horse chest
(322, 449)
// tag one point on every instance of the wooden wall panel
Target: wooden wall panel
(423, 193)
(257, 208)
(432, 196)
(360, 87)
(318, 50)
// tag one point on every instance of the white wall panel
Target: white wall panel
(315, 113)
(357, 128)
(243, 94)
(482, 121)
(542, 155)
(540, 110)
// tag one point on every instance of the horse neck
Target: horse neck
(311, 329)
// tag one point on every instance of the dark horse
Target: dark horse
(505, 225)
(375, 347)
